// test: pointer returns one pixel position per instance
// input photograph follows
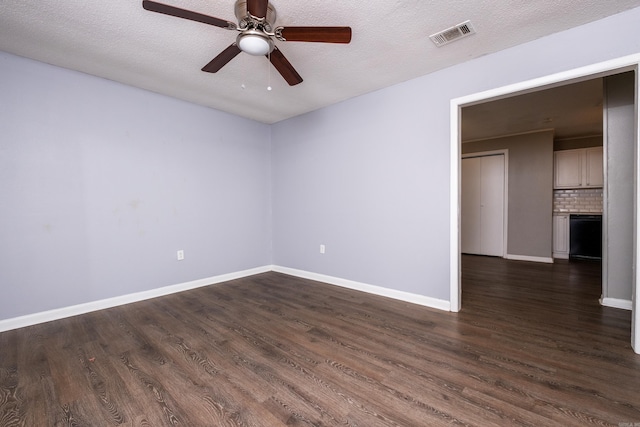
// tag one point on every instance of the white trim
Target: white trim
(600, 69)
(363, 287)
(635, 288)
(74, 310)
(509, 135)
(455, 257)
(546, 260)
(486, 153)
(624, 304)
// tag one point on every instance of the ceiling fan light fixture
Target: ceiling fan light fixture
(254, 43)
(256, 19)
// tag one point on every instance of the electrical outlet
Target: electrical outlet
(322, 249)
(180, 255)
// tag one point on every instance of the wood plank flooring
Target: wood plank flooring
(531, 347)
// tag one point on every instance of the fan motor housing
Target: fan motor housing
(242, 13)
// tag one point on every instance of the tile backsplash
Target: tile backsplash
(582, 200)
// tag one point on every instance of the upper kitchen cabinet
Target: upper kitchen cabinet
(580, 168)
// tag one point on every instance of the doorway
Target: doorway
(630, 63)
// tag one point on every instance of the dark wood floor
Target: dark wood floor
(531, 347)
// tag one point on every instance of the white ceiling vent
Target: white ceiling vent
(452, 34)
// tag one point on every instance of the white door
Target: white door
(471, 221)
(482, 205)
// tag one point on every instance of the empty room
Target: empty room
(255, 213)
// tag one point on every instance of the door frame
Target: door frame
(505, 197)
(601, 69)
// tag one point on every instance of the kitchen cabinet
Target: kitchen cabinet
(561, 236)
(594, 176)
(581, 168)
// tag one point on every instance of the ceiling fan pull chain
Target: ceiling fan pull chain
(269, 71)
(244, 69)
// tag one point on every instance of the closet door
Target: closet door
(470, 206)
(483, 205)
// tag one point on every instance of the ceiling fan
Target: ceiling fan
(257, 33)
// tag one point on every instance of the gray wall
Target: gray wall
(619, 195)
(101, 184)
(369, 177)
(356, 178)
(529, 231)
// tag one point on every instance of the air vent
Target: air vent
(452, 34)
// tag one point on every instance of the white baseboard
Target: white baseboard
(372, 289)
(625, 304)
(74, 310)
(530, 258)
(562, 255)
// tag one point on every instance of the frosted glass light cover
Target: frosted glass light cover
(254, 45)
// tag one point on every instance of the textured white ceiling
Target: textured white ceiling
(119, 40)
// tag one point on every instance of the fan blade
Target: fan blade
(222, 59)
(315, 34)
(187, 14)
(257, 8)
(284, 67)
